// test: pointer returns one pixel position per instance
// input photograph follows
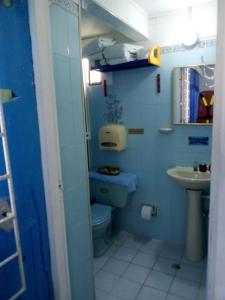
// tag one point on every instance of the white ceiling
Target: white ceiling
(153, 7)
(91, 26)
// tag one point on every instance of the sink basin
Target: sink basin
(190, 179)
(194, 182)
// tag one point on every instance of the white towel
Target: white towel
(121, 50)
(97, 45)
(142, 53)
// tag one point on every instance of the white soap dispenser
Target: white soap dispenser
(113, 137)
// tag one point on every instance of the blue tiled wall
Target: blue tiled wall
(67, 61)
(16, 72)
(151, 154)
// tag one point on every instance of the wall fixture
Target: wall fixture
(190, 36)
(158, 84)
(165, 130)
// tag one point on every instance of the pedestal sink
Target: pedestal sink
(194, 182)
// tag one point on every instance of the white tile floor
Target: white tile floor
(138, 268)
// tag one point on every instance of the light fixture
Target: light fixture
(190, 37)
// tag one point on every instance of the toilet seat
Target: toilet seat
(100, 214)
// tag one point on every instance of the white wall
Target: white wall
(129, 12)
(125, 16)
(216, 258)
(168, 29)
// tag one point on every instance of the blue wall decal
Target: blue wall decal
(16, 72)
(198, 140)
(114, 110)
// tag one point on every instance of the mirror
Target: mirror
(193, 94)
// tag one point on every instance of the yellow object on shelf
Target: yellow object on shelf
(154, 55)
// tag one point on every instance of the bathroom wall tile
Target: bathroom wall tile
(77, 213)
(73, 169)
(158, 280)
(76, 82)
(150, 155)
(62, 78)
(136, 273)
(73, 36)
(147, 293)
(67, 123)
(132, 221)
(126, 289)
(67, 75)
(59, 30)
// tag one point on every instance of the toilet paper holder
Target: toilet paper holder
(154, 208)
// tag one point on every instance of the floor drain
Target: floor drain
(176, 266)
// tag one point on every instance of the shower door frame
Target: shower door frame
(40, 30)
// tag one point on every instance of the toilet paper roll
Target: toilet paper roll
(146, 212)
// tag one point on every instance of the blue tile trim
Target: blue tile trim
(179, 48)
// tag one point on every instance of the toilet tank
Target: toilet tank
(110, 193)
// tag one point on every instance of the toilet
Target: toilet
(101, 228)
(108, 196)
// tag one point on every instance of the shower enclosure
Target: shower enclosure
(61, 119)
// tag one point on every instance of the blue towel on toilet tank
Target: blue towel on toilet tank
(125, 179)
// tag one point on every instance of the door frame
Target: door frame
(51, 166)
(40, 30)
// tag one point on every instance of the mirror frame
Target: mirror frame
(173, 98)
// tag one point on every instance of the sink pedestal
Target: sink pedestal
(194, 182)
(194, 234)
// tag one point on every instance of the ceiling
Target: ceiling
(153, 7)
(92, 26)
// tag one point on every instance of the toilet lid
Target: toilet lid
(100, 213)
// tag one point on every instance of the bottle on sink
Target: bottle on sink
(203, 167)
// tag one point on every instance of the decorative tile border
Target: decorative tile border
(180, 47)
(70, 5)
